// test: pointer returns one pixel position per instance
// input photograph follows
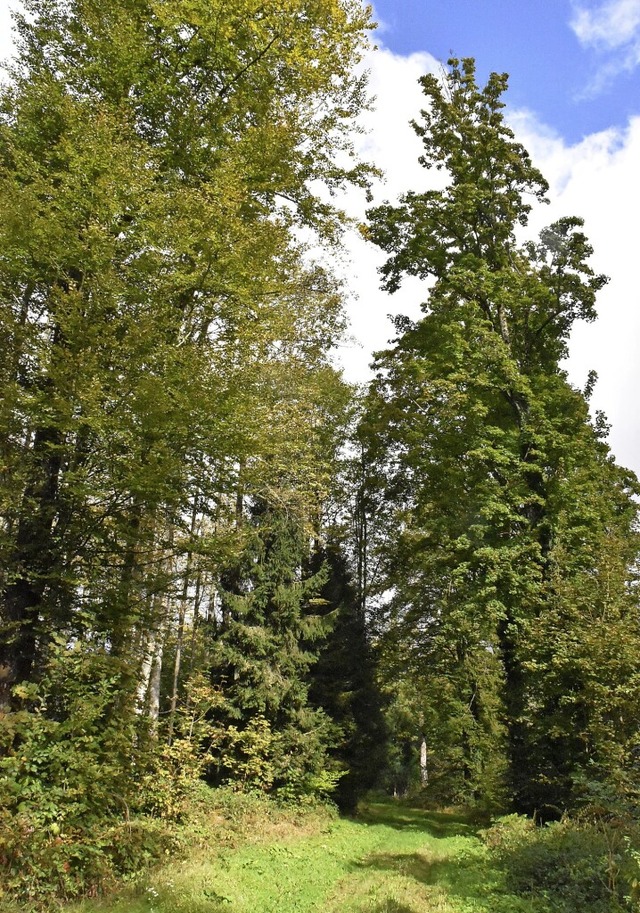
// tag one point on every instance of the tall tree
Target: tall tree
(269, 735)
(156, 158)
(344, 680)
(492, 464)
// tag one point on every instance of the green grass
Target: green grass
(392, 859)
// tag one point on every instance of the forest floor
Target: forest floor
(390, 859)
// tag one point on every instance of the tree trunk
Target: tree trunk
(424, 772)
(154, 684)
(181, 617)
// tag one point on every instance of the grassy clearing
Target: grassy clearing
(392, 859)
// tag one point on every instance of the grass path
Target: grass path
(392, 859)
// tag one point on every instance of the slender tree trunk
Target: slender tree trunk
(424, 772)
(154, 683)
(151, 668)
(181, 617)
(152, 638)
(361, 540)
(196, 619)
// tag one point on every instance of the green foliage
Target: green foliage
(268, 735)
(248, 754)
(164, 356)
(63, 755)
(343, 683)
(573, 864)
(174, 767)
(39, 867)
(70, 778)
(508, 608)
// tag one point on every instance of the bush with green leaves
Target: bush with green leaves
(70, 793)
(573, 864)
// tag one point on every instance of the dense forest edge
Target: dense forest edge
(228, 576)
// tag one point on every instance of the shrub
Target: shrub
(573, 864)
(70, 768)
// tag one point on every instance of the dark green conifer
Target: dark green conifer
(270, 736)
(343, 683)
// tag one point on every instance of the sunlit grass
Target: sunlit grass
(391, 859)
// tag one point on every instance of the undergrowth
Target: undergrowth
(585, 863)
(42, 869)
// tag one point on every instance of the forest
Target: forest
(225, 570)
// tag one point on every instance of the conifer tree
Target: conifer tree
(344, 682)
(270, 736)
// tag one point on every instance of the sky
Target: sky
(573, 63)
(574, 102)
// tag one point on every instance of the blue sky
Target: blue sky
(574, 64)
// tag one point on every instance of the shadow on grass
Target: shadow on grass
(388, 906)
(411, 865)
(463, 879)
(400, 816)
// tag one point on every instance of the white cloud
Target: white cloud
(613, 30)
(392, 146)
(595, 179)
(611, 25)
(6, 25)
(390, 141)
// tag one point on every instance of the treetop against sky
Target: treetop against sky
(573, 101)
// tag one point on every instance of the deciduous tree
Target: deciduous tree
(493, 467)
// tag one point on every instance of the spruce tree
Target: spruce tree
(269, 735)
(344, 682)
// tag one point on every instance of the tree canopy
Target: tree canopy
(219, 561)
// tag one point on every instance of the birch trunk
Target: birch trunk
(424, 772)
